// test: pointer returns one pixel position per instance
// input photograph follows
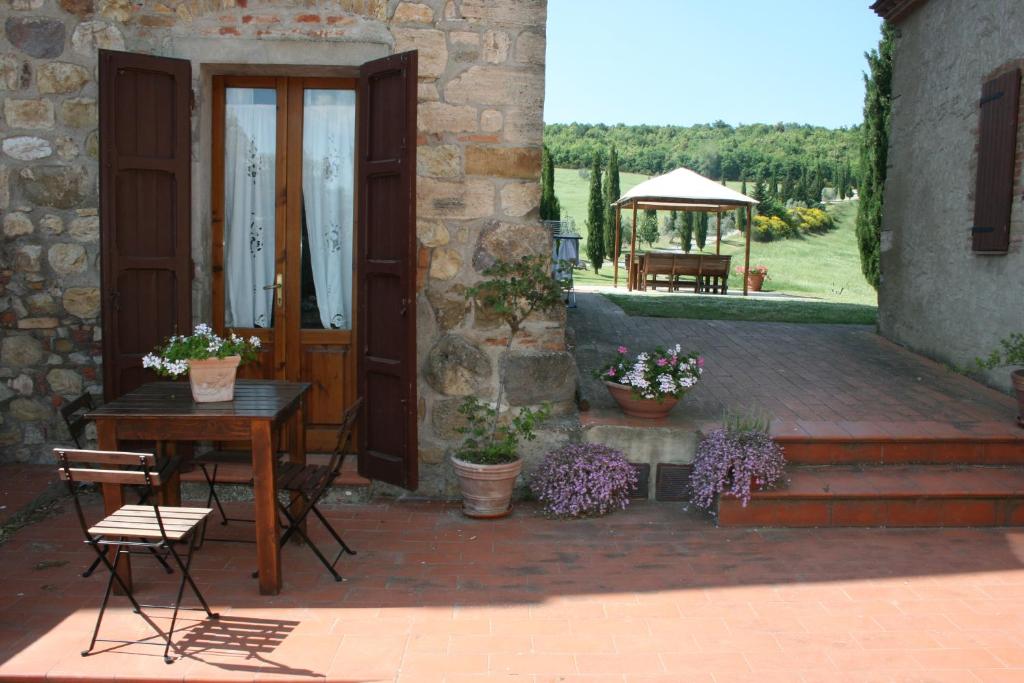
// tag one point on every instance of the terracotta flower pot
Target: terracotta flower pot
(486, 489)
(213, 379)
(646, 408)
(755, 281)
(1017, 377)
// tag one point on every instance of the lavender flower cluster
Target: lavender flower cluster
(581, 480)
(729, 461)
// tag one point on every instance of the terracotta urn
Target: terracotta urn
(755, 281)
(213, 379)
(646, 408)
(1017, 377)
(486, 489)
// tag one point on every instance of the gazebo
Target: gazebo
(682, 190)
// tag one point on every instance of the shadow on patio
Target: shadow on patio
(652, 590)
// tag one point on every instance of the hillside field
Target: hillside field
(825, 267)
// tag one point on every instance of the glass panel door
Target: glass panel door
(328, 166)
(250, 156)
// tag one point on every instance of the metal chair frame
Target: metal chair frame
(311, 482)
(123, 545)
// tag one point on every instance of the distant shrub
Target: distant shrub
(770, 228)
(582, 480)
(811, 220)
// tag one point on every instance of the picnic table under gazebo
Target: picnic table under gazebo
(682, 190)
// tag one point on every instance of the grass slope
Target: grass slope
(710, 307)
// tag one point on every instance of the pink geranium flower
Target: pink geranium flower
(611, 372)
(700, 361)
(623, 349)
(662, 362)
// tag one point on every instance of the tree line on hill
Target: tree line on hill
(716, 150)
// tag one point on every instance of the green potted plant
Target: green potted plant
(487, 462)
(1010, 352)
(210, 360)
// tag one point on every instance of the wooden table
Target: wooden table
(164, 412)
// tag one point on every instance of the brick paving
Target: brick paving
(650, 594)
(824, 374)
(20, 484)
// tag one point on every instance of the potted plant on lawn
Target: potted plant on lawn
(210, 360)
(733, 460)
(1011, 352)
(650, 385)
(755, 276)
(487, 462)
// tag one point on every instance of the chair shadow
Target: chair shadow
(251, 639)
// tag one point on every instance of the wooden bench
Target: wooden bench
(715, 273)
(703, 272)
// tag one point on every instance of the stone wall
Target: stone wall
(936, 296)
(481, 90)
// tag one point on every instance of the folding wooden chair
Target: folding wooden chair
(134, 528)
(74, 414)
(309, 483)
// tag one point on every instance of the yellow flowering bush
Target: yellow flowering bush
(769, 228)
(811, 220)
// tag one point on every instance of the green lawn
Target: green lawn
(710, 307)
(825, 267)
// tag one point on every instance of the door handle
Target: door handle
(279, 286)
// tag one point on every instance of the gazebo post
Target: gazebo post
(632, 249)
(718, 233)
(746, 259)
(615, 247)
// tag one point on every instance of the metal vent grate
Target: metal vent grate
(643, 480)
(673, 482)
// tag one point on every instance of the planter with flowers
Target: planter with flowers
(755, 276)
(734, 460)
(210, 360)
(1010, 353)
(651, 384)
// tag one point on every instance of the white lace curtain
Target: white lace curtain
(250, 151)
(328, 138)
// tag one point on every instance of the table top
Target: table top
(254, 399)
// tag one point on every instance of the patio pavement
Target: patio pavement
(815, 380)
(649, 594)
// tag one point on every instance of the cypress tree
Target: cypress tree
(741, 220)
(873, 154)
(550, 210)
(612, 190)
(649, 227)
(701, 230)
(686, 231)
(595, 218)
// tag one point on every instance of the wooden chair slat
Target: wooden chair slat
(125, 477)
(105, 457)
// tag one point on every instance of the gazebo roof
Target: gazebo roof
(685, 189)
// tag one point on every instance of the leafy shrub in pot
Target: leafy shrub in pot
(733, 459)
(584, 480)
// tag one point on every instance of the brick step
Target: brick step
(242, 474)
(892, 495)
(904, 451)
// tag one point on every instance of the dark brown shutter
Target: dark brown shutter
(145, 193)
(386, 311)
(997, 147)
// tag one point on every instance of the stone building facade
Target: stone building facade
(937, 295)
(480, 123)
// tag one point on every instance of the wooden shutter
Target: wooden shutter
(997, 147)
(386, 311)
(145, 193)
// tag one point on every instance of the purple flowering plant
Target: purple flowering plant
(733, 459)
(656, 374)
(584, 480)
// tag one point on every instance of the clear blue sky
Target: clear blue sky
(695, 61)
